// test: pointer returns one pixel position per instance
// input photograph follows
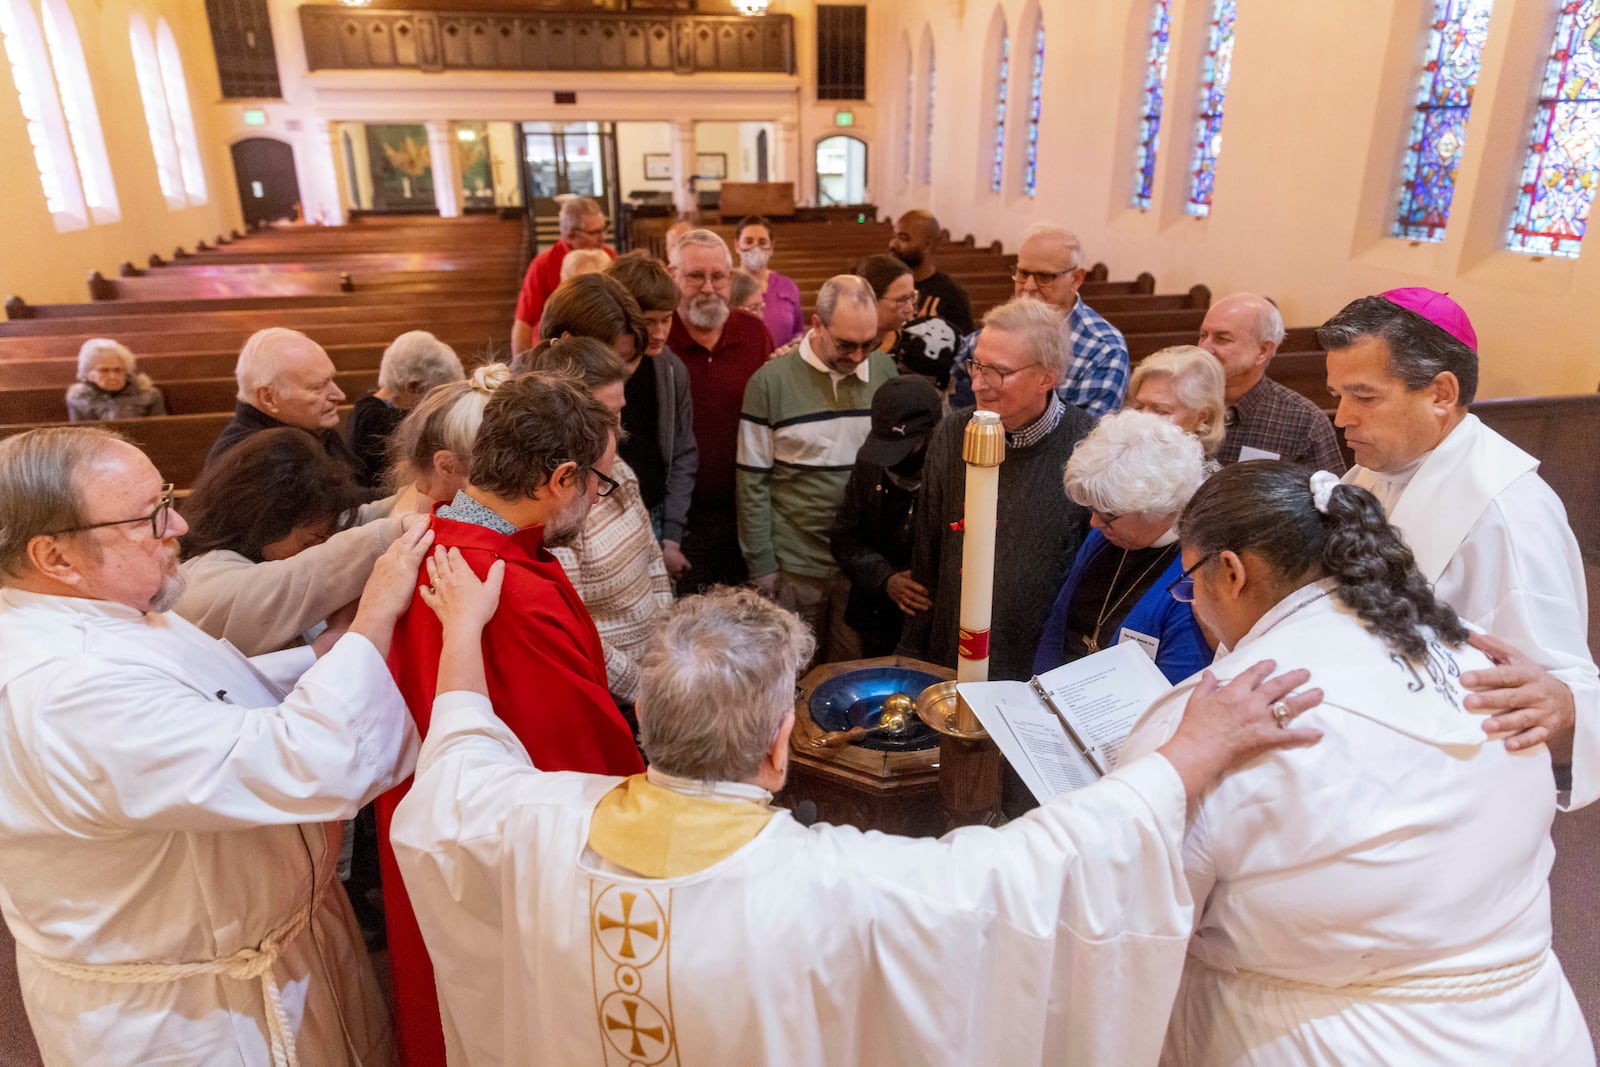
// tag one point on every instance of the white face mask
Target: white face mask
(755, 259)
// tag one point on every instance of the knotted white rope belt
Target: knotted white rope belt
(1465, 986)
(246, 965)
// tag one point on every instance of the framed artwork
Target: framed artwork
(402, 166)
(711, 165)
(658, 166)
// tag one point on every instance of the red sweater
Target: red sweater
(717, 378)
(544, 274)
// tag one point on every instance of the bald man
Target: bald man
(1265, 420)
(915, 240)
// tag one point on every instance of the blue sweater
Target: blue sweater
(1182, 650)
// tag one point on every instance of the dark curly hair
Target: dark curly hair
(531, 426)
(1265, 507)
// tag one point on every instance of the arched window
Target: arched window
(83, 119)
(1213, 94)
(927, 146)
(1030, 167)
(1002, 76)
(41, 109)
(1563, 162)
(147, 72)
(1439, 128)
(177, 93)
(1155, 80)
(908, 106)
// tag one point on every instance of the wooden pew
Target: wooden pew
(185, 396)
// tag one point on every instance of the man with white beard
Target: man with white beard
(169, 811)
(721, 352)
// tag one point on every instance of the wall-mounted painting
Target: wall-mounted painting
(472, 163)
(402, 168)
(658, 166)
(711, 165)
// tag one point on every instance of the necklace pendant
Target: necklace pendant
(1091, 644)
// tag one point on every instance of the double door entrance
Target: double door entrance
(561, 158)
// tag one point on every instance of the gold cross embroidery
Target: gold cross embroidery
(628, 927)
(631, 1024)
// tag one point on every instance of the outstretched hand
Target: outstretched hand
(1522, 699)
(388, 590)
(463, 603)
(1225, 726)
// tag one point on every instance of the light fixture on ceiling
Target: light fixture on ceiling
(750, 7)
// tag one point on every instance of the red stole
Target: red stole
(547, 681)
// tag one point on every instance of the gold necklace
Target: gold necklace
(1092, 640)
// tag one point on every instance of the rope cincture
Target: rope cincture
(245, 965)
(1466, 986)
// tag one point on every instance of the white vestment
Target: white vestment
(1055, 940)
(162, 802)
(1493, 539)
(1350, 893)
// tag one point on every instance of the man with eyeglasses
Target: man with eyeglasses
(583, 227)
(542, 457)
(169, 810)
(1050, 269)
(721, 351)
(804, 419)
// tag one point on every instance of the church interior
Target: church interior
(184, 174)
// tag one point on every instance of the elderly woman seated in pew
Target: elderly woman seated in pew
(109, 385)
(413, 364)
(1185, 385)
(1135, 472)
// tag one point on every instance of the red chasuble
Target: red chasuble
(547, 681)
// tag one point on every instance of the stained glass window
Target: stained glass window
(1000, 114)
(41, 112)
(1030, 170)
(177, 87)
(1213, 93)
(1563, 164)
(1155, 77)
(905, 117)
(1439, 128)
(927, 148)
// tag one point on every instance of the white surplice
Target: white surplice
(1493, 538)
(1055, 940)
(1405, 846)
(163, 801)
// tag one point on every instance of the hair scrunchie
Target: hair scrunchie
(1322, 483)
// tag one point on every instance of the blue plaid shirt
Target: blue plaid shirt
(1096, 381)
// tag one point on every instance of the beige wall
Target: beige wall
(1316, 124)
(45, 266)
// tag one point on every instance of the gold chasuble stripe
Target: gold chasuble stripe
(630, 961)
(657, 833)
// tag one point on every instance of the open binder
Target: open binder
(1064, 729)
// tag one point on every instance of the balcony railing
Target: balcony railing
(340, 38)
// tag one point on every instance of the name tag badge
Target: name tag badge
(1247, 453)
(1150, 644)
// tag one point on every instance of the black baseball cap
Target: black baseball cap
(904, 412)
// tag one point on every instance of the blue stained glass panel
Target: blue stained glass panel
(1439, 128)
(1155, 78)
(1558, 179)
(927, 149)
(905, 122)
(1000, 116)
(1030, 172)
(1213, 94)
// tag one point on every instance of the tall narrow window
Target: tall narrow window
(41, 110)
(1030, 167)
(1563, 163)
(147, 72)
(1155, 79)
(1004, 76)
(1439, 128)
(177, 92)
(1213, 94)
(77, 104)
(905, 117)
(927, 147)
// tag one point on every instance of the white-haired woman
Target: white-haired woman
(1183, 384)
(109, 385)
(430, 451)
(412, 365)
(1134, 472)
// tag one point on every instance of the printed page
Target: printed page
(1103, 695)
(1030, 737)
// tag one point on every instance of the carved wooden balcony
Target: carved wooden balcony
(342, 38)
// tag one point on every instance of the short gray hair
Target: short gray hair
(702, 238)
(584, 261)
(1066, 236)
(1199, 382)
(716, 683)
(95, 347)
(257, 366)
(418, 356)
(39, 486)
(854, 290)
(1268, 320)
(573, 211)
(1135, 463)
(1043, 328)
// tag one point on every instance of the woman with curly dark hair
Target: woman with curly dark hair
(1381, 897)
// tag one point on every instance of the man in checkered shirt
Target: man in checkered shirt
(1050, 268)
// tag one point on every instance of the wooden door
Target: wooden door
(268, 189)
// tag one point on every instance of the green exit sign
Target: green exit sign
(255, 116)
(844, 118)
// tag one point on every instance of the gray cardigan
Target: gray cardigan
(675, 426)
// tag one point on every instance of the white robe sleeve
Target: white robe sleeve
(124, 746)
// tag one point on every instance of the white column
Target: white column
(442, 155)
(683, 197)
(325, 205)
(786, 156)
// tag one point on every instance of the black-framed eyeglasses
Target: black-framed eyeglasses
(157, 519)
(1182, 587)
(1040, 278)
(608, 484)
(990, 373)
(850, 348)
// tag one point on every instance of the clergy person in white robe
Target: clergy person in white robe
(1487, 531)
(677, 917)
(169, 808)
(1381, 898)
